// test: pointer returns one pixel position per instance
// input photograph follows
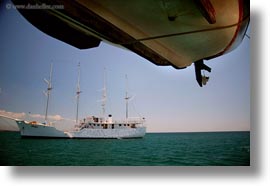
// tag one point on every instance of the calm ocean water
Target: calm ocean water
(163, 149)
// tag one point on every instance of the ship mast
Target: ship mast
(78, 92)
(127, 98)
(48, 92)
(104, 95)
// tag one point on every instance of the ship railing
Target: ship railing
(130, 121)
(134, 120)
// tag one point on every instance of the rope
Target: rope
(133, 106)
(185, 33)
(248, 36)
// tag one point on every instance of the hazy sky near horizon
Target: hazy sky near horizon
(169, 99)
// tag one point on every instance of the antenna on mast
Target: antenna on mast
(78, 92)
(48, 92)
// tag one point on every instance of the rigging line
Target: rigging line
(185, 33)
(134, 108)
(247, 36)
(64, 17)
(143, 39)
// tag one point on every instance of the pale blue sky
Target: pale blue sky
(169, 99)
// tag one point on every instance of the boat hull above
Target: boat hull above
(170, 32)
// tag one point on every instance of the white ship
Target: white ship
(90, 127)
(101, 127)
(39, 130)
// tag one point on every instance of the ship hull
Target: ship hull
(40, 131)
(170, 32)
(8, 124)
(45, 131)
(109, 133)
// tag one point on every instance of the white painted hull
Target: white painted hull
(109, 133)
(8, 124)
(40, 131)
(45, 131)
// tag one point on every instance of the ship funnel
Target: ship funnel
(110, 119)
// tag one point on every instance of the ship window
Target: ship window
(119, 125)
(94, 124)
(128, 124)
(124, 124)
